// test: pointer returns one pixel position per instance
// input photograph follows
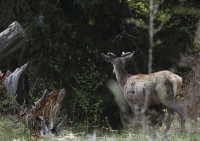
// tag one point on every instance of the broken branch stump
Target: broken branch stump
(9, 81)
(41, 119)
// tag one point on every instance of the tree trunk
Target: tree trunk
(42, 118)
(11, 39)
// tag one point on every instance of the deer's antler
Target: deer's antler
(124, 54)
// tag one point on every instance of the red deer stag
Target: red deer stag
(161, 87)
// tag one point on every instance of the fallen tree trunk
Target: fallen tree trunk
(42, 118)
(11, 39)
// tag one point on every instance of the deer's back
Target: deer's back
(138, 86)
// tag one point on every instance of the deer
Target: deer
(148, 89)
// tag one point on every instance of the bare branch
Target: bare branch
(162, 24)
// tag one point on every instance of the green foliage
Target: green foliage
(9, 104)
(88, 99)
(10, 130)
(10, 99)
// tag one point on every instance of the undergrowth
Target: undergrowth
(10, 131)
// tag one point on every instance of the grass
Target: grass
(10, 131)
(192, 133)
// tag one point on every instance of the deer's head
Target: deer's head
(117, 62)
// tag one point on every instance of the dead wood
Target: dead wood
(11, 39)
(8, 87)
(11, 81)
(41, 119)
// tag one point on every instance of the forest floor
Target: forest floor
(10, 131)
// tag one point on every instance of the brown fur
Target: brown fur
(148, 90)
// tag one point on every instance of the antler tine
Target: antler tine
(124, 54)
(111, 54)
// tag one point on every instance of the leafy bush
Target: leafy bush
(88, 99)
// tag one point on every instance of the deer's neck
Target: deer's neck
(121, 76)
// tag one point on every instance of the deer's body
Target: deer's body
(136, 87)
(154, 89)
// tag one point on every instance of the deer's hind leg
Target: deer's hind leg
(172, 105)
(169, 119)
(165, 94)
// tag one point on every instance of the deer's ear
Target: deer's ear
(108, 58)
(129, 56)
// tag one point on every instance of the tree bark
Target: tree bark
(9, 82)
(42, 118)
(11, 39)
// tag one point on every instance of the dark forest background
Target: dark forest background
(67, 37)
